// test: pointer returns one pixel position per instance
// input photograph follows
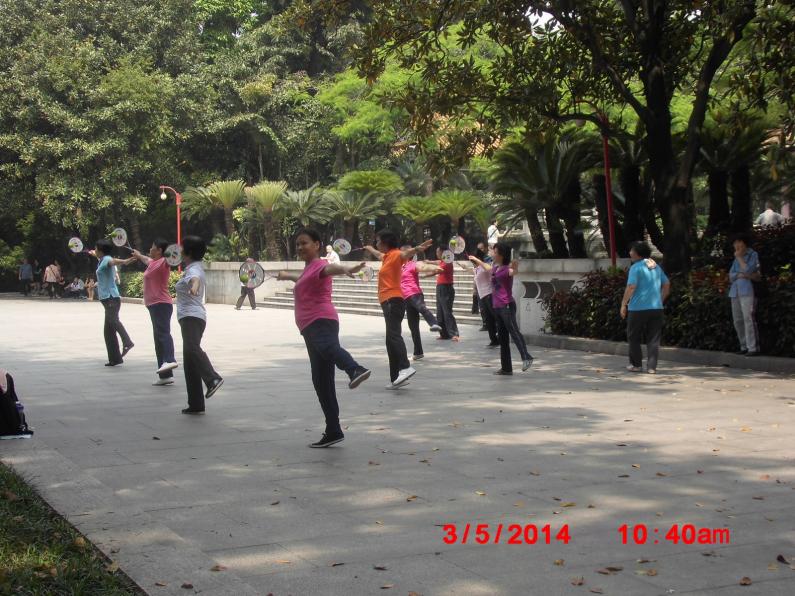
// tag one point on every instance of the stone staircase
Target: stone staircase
(361, 298)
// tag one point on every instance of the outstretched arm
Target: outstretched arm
(480, 263)
(339, 269)
(410, 252)
(136, 255)
(373, 251)
(288, 275)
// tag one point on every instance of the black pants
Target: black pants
(489, 319)
(161, 327)
(475, 303)
(244, 291)
(507, 329)
(445, 296)
(415, 306)
(113, 326)
(195, 362)
(26, 286)
(644, 324)
(394, 309)
(325, 352)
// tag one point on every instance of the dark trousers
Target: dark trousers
(323, 345)
(507, 329)
(415, 306)
(161, 326)
(394, 309)
(445, 296)
(26, 286)
(475, 303)
(244, 291)
(644, 325)
(489, 319)
(195, 362)
(113, 326)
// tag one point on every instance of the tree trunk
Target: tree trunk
(229, 222)
(555, 230)
(419, 233)
(571, 218)
(600, 198)
(742, 218)
(135, 228)
(629, 179)
(719, 214)
(536, 231)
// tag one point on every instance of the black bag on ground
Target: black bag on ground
(12, 416)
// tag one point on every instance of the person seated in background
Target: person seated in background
(76, 289)
(331, 255)
(90, 285)
(769, 217)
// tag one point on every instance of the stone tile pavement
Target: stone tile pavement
(575, 441)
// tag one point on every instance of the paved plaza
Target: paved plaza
(234, 502)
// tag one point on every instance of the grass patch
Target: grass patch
(42, 554)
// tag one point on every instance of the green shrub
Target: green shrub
(698, 312)
(132, 284)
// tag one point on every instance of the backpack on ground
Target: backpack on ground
(12, 415)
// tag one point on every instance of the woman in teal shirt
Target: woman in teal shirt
(111, 301)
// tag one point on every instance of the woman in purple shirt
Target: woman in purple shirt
(502, 272)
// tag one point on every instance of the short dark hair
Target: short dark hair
(389, 238)
(311, 232)
(504, 250)
(161, 243)
(742, 237)
(105, 246)
(641, 249)
(194, 247)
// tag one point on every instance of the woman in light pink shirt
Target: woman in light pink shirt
(415, 300)
(157, 300)
(318, 323)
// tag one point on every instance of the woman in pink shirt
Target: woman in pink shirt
(415, 300)
(157, 300)
(318, 323)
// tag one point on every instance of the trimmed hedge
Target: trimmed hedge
(698, 312)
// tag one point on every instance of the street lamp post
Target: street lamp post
(178, 197)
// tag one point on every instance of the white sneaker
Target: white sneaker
(166, 381)
(393, 387)
(167, 366)
(404, 375)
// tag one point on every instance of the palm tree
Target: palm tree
(420, 210)
(631, 157)
(517, 196)
(414, 174)
(352, 207)
(263, 199)
(307, 207)
(227, 194)
(456, 204)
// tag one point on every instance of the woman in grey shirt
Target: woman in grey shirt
(192, 317)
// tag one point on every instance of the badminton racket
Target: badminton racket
(119, 237)
(343, 247)
(253, 275)
(173, 254)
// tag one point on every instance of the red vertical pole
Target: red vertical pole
(179, 223)
(611, 223)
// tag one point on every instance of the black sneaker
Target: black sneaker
(501, 372)
(113, 363)
(359, 376)
(192, 411)
(741, 352)
(327, 440)
(752, 354)
(213, 388)
(126, 349)
(494, 344)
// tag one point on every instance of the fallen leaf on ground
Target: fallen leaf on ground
(535, 473)
(623, 475)
(661, 474)
(379, 522)
(577, 581)
(570, 504)
(621, 444)
(412, 498)
(764, 477)
(772, 567)
(596, 591)
(519, 504)
(155, 438)
(80, 542)
(480, 492)
(373, 463)
(609, 570)
(635, 465)
(746, 581)
(781, 559)
(649, 572)
(218, 568)
(745, 429)
(646, 561)
(111, 567)
(414, 594)
(187, 586)
(161, 584)
(387, 586)
(379, 567)
(284, 561)
(275, 502)
(559, 562)
(336, 564)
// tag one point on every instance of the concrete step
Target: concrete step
(463, 301)
(460, 309)
(464, 318)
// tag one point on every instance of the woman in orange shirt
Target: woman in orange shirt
(392, 303)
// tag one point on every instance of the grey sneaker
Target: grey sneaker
(527, 364)
(436, 328)
(360, 375)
